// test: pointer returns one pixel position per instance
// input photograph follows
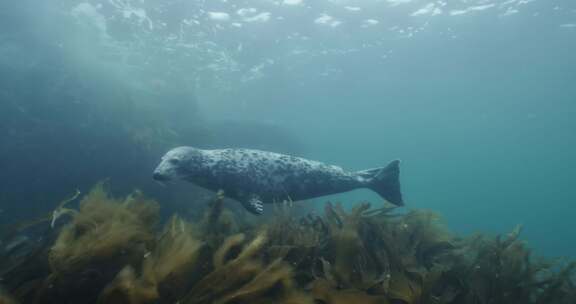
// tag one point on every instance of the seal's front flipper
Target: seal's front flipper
(254, 205)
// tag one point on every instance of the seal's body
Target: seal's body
(254, 177)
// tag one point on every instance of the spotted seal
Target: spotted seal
(255, 177)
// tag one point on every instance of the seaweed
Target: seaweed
(105, 234)
(103, 228)
(245, 278)
(217, 222)
(325, 292)
(169, 265)
(164, 270)
(277, 277)
(25, 246)
(503, 270)
(5, 298)
(351, 263)
(379, 255)
(127, 288)
(296, 240)
(110, 251)
(228, 273)
(176, 247)
(416, 250)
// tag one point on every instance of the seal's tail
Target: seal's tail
(385, 181)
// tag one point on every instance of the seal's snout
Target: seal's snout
(160, 177)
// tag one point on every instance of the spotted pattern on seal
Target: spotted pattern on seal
(254, 177)
(274, 177)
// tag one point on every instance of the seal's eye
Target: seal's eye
(174, 161)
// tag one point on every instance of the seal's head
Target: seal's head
(178, 163)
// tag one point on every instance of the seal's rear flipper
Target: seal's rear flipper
(254, 205)
(386, 182)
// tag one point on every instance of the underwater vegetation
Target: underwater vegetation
(116, 250)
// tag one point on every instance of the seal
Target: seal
(255, 177)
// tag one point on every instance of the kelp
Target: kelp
(296, 240)
(111, 251)
(128, 288)
(351, 265)
(325, 292)
(9, 231)
(164, 271)
(103, 228)
(175, 253)
(5, 298)
(22, 241)
(504, 270)
(23, 250)
(104, 235)
(416, 250)
(237, 274)
(273, 284)
(228, 273)
(372, 256)
(244, 277)
(217, 222)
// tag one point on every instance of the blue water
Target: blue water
(477, 98)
